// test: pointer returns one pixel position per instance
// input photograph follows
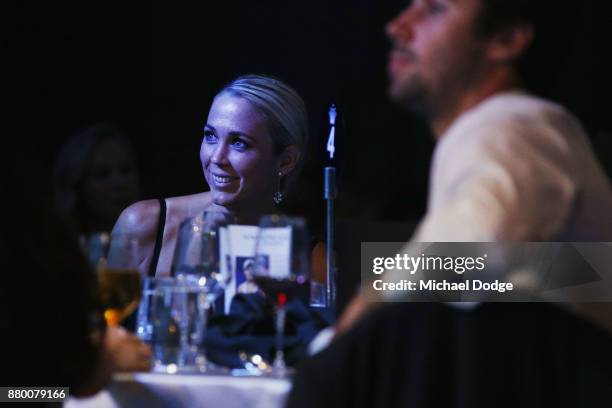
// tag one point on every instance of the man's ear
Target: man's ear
(509, 44)
(289, 158)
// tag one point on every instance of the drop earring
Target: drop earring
(278, 195)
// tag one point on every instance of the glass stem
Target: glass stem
(279, 358)
(204, 306)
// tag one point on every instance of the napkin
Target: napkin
(249, 328)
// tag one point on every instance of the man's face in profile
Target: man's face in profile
(435, 51)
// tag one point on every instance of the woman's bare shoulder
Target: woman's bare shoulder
(189, 205)
(139, 219)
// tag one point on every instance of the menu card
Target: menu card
(237, 252)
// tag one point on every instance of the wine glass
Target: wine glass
(202, 262)
(118, 278)
(282, 270)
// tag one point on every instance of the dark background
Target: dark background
(152, 68)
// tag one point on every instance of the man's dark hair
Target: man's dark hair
(498, 15)
(555, 23)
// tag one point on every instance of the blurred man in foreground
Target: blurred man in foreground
(508, 166)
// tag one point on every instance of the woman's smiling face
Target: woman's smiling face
(238, 155)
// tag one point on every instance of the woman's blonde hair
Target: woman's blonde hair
(283, 108)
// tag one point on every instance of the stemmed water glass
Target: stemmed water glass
(203, 251)
(202, 264)
(282, 270)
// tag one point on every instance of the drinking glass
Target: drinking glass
(153, 289)
(118, 277)
(203, 252)
(172, 319)
(282, 270)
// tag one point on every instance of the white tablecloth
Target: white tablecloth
(165, 390)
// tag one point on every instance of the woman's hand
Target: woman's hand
(120, 351)
(125, 352)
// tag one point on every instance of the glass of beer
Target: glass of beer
(119, 287)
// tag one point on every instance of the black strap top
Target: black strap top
(159, 238)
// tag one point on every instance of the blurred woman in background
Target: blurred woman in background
(95, 178)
